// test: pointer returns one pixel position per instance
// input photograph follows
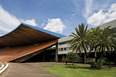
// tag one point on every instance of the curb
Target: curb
(3, 67)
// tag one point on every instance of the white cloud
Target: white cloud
(102, 17)
(88, 8)
(9, 22)
(96, 18)
(112, 8)
(30, 22)
(111, 14)
(55, 25)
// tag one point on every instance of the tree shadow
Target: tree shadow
(79, 67)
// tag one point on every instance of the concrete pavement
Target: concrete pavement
(25, 70)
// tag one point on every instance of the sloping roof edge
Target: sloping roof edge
(39, 29)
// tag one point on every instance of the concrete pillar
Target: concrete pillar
(56, 54)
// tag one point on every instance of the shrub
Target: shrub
(89, 60)
(73, 57)
(98, 64)
(64, 59)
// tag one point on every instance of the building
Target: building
(28, 43)
(25, 42)
(112, 24)
(64, 48)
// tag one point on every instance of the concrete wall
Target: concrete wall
(62, 45)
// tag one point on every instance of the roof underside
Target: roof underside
(27, 35)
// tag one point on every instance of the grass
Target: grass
(80, 71)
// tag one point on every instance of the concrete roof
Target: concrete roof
(25, 35)
(68, 38)
(112, 24)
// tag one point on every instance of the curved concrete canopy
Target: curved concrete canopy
(25, 35)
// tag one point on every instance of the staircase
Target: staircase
(10, 54)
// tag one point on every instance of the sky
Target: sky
(60, 16)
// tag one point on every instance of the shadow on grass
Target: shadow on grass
(79, 67)
(76, 66)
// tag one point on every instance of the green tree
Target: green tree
(93, 40)
(64, 59)
(72, 57)
(102, 40)
(79, 41)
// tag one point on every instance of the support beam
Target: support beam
(56, 54)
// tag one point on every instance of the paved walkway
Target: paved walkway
(25, 70)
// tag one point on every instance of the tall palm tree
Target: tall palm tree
(103, 41)
(93, 40)
(79, 41)
(114, 42)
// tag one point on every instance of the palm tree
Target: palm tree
(103, 40)
(93, 40)
(79, 41)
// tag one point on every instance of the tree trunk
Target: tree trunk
(114, 58)
(102, 52)
(72, 62)
(84, 53)
(95, 56)
(95, 59)
(84, 58)
(66, 62)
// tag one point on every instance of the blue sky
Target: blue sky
(60, 16)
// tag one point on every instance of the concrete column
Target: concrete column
(56, 54)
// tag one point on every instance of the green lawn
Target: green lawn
(80, 71)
